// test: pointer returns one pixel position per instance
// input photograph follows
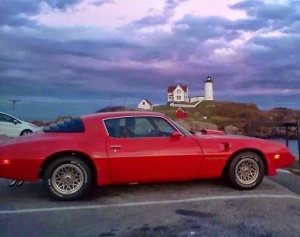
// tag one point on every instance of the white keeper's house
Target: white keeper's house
(180, 93)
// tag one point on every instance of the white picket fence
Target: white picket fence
(185, 105)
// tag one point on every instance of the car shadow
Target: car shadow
(33, 191)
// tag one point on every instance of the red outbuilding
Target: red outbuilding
(181, 114)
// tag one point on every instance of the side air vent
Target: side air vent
(68, 125)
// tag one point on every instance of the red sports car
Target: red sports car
(134, 147)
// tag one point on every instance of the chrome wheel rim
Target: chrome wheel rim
(247, 171)
(67, 179)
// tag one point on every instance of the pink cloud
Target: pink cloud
(116, 14)
(208, 8)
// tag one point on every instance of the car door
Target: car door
(141, 150)
(8, 127)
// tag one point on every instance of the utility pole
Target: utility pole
(14, 103)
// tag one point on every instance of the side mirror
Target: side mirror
(15, 122)
(176, 134)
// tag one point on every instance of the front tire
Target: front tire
(67, 178)
(25, 132)
(246, 171)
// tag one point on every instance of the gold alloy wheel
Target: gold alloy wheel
(247, 171)
(67, 179)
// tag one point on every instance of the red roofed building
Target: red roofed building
(178, 96)
(179, 93)
(145, 104)
(181, 114)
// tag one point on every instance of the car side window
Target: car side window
(142, 127)
(114, 126)
(129, 127)
(162, 128)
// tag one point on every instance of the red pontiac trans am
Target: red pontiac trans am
(134, 147)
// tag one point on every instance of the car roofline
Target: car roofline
(105, 115)
(11, 116)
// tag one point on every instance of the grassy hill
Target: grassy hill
(221, 114)
(218, 112)
(241, 115)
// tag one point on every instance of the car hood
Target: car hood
(230, 137)
(31, 125)
(237, 142)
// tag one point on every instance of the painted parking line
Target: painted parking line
(136, 204)
(284, 171)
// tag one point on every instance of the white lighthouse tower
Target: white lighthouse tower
(208, 89)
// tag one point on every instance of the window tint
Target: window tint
(5, 118)
(113, 126)
(138, 127)
(142, 126)
(163, 125)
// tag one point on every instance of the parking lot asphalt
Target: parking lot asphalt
(198, 208)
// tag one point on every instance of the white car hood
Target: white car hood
(31, 126)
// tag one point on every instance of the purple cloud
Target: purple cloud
(247, 57)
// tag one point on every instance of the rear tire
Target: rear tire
(67, 178)
(246, 171)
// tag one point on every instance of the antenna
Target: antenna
(14, 103)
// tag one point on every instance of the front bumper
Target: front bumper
(285, 159)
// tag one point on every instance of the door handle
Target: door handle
(115, 146)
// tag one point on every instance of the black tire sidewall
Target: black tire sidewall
(47, 179)
(232, 175)
(26, 130)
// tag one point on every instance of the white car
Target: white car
(14, 127)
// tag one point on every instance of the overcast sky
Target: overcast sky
(76, 56)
